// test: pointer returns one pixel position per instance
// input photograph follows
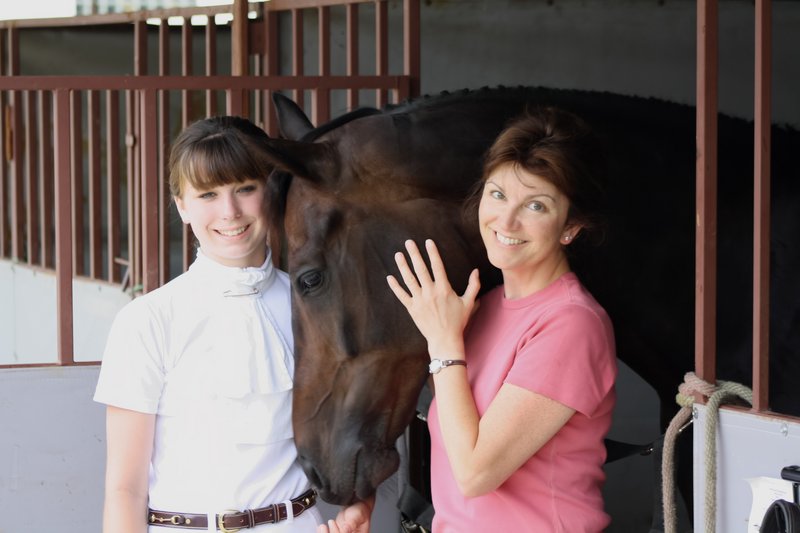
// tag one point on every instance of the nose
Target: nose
(230, 207)
(507, 217)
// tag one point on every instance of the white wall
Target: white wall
(28, 315)
(747, 446)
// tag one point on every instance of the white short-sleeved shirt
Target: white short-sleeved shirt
(210, 353)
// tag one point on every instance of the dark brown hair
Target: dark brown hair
(217, 151)
(559, 147)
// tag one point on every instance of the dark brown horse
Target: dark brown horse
(347, 194)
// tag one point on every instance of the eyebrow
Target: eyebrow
(529, 197)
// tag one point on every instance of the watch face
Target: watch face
(435, 366)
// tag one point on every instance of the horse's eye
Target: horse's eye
(309, 281)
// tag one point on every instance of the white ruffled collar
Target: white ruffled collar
(234, 281)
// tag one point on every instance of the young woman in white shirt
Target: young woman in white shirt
(197, 375)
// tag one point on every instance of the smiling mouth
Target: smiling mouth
(232, 232)
(507, 240)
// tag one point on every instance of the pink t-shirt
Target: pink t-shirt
(557, 342)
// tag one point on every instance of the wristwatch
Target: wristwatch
(437, 365)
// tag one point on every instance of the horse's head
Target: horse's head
(360, 361)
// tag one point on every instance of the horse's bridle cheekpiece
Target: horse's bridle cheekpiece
(233, 520)
(436, 365)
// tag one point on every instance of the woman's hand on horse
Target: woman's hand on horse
(439, 313)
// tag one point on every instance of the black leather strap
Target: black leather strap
(781, 517)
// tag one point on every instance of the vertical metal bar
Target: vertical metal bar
(33, 251)
(76, 131)
(186, 117)
(321, 110)
(271, 66)
(186, 70)
(149, 194)
(211, 65)
(95, 194)
(239, 52)
(140, 48)
(63, 186)
(352, 52)
(706, 193)
(240, 56)
(5, 149)
(761, 204)
(297, 52)
(46, 190)
(234, 102)
(113, 211)
(411, 44)
(130, 169)
(381, 48)
(163, 143)
(17, 213)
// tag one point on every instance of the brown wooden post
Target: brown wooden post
(761, 204)
(706, 193)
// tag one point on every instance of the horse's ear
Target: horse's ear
(311, 161)
(292, 121)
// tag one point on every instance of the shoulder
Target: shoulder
(156, 303)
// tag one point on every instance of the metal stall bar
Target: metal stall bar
(351, 30)
(321, 109)
(411, 44)
(32, 244)
(163, 142)
(76, 130)
(761, 204)
(149, 194)
(95, 196)
(706, 191)
(64, 204)
(45, 155)
(113, 238)
(297, 52)
(381, 47)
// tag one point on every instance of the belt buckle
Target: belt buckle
(221, 521)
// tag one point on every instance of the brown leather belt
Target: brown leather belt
(230, 521)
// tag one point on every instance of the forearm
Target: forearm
(459, 423)
(124, 512)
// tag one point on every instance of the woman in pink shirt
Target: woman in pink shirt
(524, 382)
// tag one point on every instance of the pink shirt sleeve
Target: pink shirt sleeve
(568, 356)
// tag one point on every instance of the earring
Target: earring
(567, 238)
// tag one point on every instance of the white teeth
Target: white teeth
(233, 232)
(508, 240)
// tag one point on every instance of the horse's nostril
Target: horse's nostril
(310, 470)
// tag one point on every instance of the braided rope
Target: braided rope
(716, 395)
